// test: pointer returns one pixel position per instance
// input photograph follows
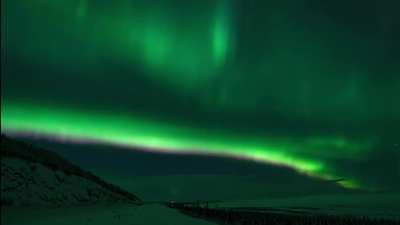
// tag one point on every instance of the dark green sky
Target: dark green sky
(312, 85)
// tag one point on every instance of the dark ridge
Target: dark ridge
(21, 150)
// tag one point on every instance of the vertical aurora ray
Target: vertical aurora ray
(134, 131)
(221, 34)
(179, 51)
(179, 54)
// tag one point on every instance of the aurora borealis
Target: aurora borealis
(309, 85)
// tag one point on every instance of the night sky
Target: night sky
(309, 85)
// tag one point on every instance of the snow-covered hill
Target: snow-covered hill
(31, 176)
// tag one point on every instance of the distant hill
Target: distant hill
(35, 176)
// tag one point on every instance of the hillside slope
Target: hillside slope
(33, 176)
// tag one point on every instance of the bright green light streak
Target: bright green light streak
(138, 132)
(350, 184)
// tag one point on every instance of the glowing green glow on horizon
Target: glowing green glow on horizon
(351, 184)
(134, 131)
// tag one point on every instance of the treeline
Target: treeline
(238, 217)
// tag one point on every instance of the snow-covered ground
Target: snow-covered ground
(115, 214)
(371, 205)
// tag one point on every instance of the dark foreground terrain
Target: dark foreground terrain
(32, 176)
(248, 217)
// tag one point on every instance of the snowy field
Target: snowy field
(371, 205)
(117, 214)
(383, 206)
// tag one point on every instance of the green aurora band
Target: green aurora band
(157, 136)
(302, 84)
(180, 51)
